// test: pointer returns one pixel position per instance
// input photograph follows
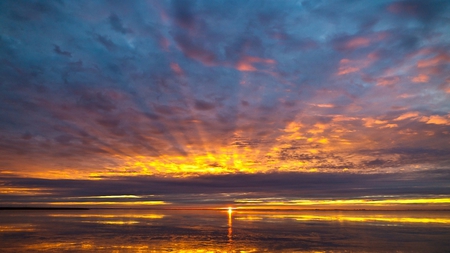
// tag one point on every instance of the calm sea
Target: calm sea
(221, 231)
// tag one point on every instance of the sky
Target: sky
(225, 103)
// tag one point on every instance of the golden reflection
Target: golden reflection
(114, 222)
(247, 203)
(391, 218)
(130, 240)
(91, 246)
(45, 246)
(17, 228)
(249, 218)
(111, 197)
(230, 224)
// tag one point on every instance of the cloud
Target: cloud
(106, 42)
(247, 63)
(96, 101)
(194, 51)
(425, 11)
(117, 25)
(193, 190)
(183, 13)
(407, 115)
(387, 81)
(436, 119)
(347, 66)
(182, 88)
(349, 43)
(421, 78)
(440, 58)
(203, 105)
(61, 52)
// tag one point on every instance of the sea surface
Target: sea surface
(125, 230)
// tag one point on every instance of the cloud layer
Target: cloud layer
(93, 90)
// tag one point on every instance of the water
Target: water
(221, 231)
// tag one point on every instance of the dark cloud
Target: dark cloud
(117, 25)
(96, 101)
(424, 10)
(194, 51)
(203, 105)
(286, 185)
(183, 13)
(58, 50)
(106, 42)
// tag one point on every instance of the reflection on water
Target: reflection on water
(224, 231)
(17, 228)
(391, 218)
(230, 225)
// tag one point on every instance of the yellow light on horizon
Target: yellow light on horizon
(128, 203)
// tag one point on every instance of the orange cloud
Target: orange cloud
(386, 81)
(325, 105)
(352, 43)
(437, 120)
(244, 66)
(437, 60)
(339, 118)
(347, 70)
(247, 63)
(371, 122)
(389, 126)
(421, 78)
(344, 67)
(347, 66)
(407, 116)
(357, 42)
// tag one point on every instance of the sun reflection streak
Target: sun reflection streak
(230, 224)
